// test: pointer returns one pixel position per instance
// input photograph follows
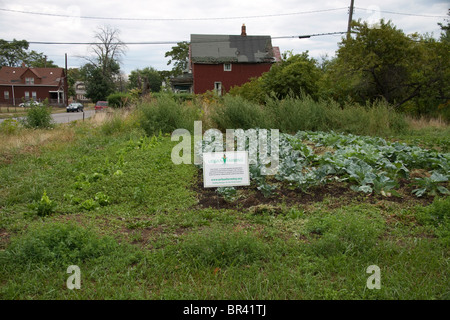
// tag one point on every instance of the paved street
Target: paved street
(69, 116)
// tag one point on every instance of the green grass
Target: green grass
(141, 235)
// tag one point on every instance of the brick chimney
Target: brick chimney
(243, 31)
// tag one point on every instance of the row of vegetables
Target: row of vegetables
(370, 164)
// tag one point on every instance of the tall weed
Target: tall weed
(165, 114)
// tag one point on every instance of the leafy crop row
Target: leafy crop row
(369, 164)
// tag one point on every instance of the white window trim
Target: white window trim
(225, 65)
(6, 94)
(27, 95)
(34, 95)
(29, 80)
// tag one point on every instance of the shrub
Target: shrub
(237, 113)
(119, 100)
(165, 114)
(39, 116)
(120, 121)
(9, 126)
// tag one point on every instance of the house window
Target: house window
(218, 88)
(27, 95)
(227, 67)
(33, 94)
(29, 80)
(6, 95)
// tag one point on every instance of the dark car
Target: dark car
(100, 105)
(75, 106)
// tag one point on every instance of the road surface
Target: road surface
(68, 116)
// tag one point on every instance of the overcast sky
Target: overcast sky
(175, 20)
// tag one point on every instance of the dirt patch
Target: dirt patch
(337, 195)
(4, 238)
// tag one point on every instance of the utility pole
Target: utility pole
(350, 18)
(66, 85)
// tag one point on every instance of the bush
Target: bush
(292, 114)
(165, 114)
(39, 116)
(9, 126)
(234, 112)
(58, 244)
(119, 100)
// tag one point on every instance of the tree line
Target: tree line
(378, 62)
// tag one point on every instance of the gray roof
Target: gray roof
(228, 48)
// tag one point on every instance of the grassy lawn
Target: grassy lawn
(132, 221)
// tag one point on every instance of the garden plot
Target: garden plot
(319, 162)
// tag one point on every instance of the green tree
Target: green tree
(296, 75)
(179, 57)
(98, 86)
(38, 60)
(103, 69)
(13, 53)
(147, 79)
(383, 63)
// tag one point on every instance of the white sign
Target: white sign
(225, 169)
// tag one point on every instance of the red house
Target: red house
(218, 62)
(23, 83)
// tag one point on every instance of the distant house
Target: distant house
(80, 92)
(218, 62)
(24, 83)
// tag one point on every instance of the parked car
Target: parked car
(30, 103)
(75, 106)
(100, 105)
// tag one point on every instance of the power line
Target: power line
(401, 13)
(176, 42)
(171, 19)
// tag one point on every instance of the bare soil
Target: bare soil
(337, 194)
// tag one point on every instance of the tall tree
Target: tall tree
(385, 63)
(108, 50)
(179, 57)
(13, 53)
(147, 79)
(103, 68)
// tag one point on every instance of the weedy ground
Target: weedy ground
(105, 197)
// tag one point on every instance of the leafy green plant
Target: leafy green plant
(9, 126)
(267, 189)
(228, 193)
(385, 186)
(431, 185)
(45, 206)
(39, 116)
(102, 199)
(119, 100)
(89, 204)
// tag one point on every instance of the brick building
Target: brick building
(24, 83)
